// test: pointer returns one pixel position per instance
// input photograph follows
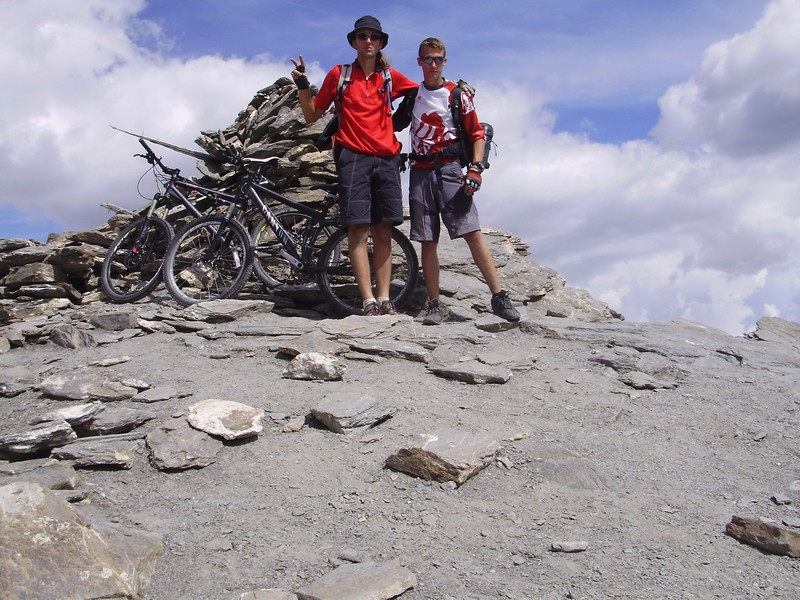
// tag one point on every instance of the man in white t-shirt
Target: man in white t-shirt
(439, 189)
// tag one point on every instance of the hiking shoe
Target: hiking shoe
(434, 312)
(372, 310)
(387, 308)
(501, 306)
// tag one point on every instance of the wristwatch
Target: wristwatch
(476, 167)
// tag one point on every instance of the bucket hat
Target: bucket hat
(367, 22)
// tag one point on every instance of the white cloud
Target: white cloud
(744, 99)
(702, 224)
(70, 71)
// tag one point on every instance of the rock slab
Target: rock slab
(446, 456)
(365, 581)
(52, 549)
(765, 536)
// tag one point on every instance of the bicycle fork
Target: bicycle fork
(141, 251)
(224, 239)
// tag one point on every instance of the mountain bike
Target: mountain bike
(295, 245)
(133, 263)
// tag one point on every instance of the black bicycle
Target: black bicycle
(297, 245)
(133, 263)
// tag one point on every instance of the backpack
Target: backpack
(325, 140)
(462, 148)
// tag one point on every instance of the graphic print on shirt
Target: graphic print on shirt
(431, 133)
(436, 129)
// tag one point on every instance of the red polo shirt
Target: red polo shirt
(365, 122)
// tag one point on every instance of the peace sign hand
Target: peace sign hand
(299, 67)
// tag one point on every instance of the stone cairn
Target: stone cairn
(42, 279)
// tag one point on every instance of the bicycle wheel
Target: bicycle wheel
(132, 265)
(209, 259)
(335, 273)
(271, 268)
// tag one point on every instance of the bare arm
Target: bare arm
(478, 147)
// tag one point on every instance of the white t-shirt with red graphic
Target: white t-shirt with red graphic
(432, 126)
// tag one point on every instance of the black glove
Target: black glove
(301, 81)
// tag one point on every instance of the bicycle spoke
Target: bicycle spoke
(270, 267)
(132, 266)
(336, 280)
(211, 258)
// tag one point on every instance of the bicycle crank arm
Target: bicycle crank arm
(293, 260)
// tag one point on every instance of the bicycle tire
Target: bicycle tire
(272, 269)
(335, 274)
(133, 263)
(210, 259)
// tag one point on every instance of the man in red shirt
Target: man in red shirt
(438, 187)
(367, 155)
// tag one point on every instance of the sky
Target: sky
(646, 151)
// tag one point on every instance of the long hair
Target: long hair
(381, 62)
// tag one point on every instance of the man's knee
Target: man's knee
(472, 237)
(358, 233)
(382, 231)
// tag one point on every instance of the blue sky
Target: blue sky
(602, 64)
(647, 151)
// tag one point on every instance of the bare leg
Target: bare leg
(382, 257)
(430, 268)
(483, 259)
(358, 236)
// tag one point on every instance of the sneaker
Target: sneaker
(387, 308)
(434, 312)
(501, 306)
(372, 310)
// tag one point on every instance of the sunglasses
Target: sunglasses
(363, 36)
(432, 59)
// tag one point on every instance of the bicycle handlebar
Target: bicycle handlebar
(151, 158)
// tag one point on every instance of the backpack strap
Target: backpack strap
(462, 87)
(459, 148)
(344, 80)
(387, 89)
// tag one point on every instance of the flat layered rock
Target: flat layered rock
(765, 536)
(34, 441)
(104, 451)
(223, 311)
(446, 456)
(373, 581)
(473, 372)
(342, 412)
(176, 446)
(52, 551)
(313, 341)
(391, 349)
(85, 386)
(226, 419)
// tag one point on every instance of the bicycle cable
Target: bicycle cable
(139, 183)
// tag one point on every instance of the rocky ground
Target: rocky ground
(632, 443)
(604, 459)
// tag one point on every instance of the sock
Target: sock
(367, 302)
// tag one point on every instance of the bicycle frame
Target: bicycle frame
(174, 181)
(172, 190)
(317, 219)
